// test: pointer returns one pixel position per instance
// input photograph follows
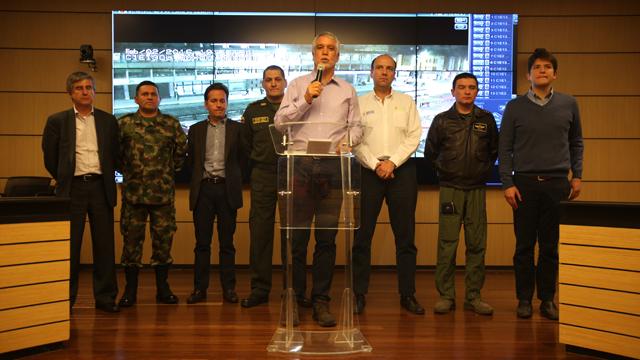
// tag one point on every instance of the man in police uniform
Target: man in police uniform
(153, 147)
(257, 118)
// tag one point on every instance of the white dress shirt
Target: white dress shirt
(87, 159)
(392, 129)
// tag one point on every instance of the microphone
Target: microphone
(319, 75)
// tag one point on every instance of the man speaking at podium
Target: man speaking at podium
(319, 97)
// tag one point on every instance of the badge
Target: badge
(260, 120)
(481, 127)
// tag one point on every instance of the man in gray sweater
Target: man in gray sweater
(540, 141)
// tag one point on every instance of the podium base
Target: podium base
(319, 342)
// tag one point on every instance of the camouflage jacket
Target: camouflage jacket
(151, 151)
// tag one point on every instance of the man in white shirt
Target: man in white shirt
(392, 132)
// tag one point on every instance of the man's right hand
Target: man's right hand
(512, 195)
(313, 90)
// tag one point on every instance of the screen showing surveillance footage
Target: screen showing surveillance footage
(184, 52)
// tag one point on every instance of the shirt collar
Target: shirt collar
(221, 122)
(75, 111)
(532, 94)
(375, 96)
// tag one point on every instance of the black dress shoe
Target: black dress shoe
(253, 300)
(197, 296)
(304, 302)
(322, 315)
(361, 302)
(524, 309)
(549, 310)
(127, 301)
(109, 307)
(230, 296)
(168, 298)
(411, 304)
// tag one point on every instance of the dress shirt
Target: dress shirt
(537, 99)
(87, 159)
(337, 108)
(214, 153)
(392, 129)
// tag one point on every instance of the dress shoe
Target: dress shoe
(444, 306)
(253, 300)
(549, 310)
(524, 309)
(127, 301)
(109, 307)
(304, 301)
(479, 307)
(411, 304)
(230, 296)
(197, 296)
(360, 303)
(322, 315)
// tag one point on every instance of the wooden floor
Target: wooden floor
(214, 330)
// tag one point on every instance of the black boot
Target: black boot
(129, 297)
(163, 292)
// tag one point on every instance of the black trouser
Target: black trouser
(88, 197)
(264, 198)
(401, 195)
(537, 219)
(212, 202)
(317, 194)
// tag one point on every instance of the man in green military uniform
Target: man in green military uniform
(152, 147)
(257, 118)
(463, 145)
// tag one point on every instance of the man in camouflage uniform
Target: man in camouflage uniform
(257, 118)
(153, 147)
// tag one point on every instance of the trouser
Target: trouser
(537, 218)
(212, 202)
(317, 193)
(264, 198)
(162, 226)
(88, 197)
(401, 195)
(469, 208)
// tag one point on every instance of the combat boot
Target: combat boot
(163, 291)
(129, 297)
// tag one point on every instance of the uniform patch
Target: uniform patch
(481, 127)
(260, 120)
(263, 104)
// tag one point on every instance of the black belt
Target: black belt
(215, 180)
(537, 177)
(88, 177)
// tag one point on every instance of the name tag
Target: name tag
(481, 127)
(260, 120)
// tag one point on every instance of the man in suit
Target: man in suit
(80, 147)
(214, 156)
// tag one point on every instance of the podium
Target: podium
(319, 189)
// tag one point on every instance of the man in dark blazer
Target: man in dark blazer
(80, 147)
(215, 155)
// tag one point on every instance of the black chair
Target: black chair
(17, 186)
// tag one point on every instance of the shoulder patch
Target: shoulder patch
(480, 127)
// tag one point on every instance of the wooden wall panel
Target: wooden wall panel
(26, 113)
(22, 155)
(610, 191)
(30, 232)
(609, 117)
(47, 70)
(611, 160)
(589, 74)
(32, 273)
(578, 34)
(66, 26)
(600, 340)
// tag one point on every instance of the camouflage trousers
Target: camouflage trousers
(162, 226)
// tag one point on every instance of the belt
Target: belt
(537, 177)
(88, 177)
(215, 180)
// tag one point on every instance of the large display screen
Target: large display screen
(184, 52)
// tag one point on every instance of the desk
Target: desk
(599, 278)
(34, 272)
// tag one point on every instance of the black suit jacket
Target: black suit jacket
(234, 159)
(59, 148)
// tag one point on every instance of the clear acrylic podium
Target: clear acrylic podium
(318, 188)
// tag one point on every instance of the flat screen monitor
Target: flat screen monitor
(184, 52)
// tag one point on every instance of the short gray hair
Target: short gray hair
(79, 76)
(327, 34)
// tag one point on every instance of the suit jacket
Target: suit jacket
(234, 158)
(59, 148)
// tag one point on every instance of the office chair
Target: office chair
(28, 186)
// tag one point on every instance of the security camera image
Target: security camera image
(430, 50)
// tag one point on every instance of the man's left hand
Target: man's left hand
(576, 187)
(385, 168)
